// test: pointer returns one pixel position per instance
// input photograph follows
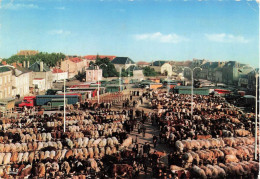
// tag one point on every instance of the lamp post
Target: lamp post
(120, 69)
(64, 107)
(98, 79)
(192, 71)
(256, 115)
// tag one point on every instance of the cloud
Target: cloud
(226, 38)
(163, 38)
(16, 6)
(60, 8)
(59, 32)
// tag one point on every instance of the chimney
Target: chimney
(41, 66)
(218, 63)
(24, 64)
(28, 64)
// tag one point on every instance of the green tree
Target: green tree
(50, 59)
(108, 68)
(148, 71)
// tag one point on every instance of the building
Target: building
(27, 52)
(40, 84)
(5, 82)
(21, 78)
(230, 72)
(93, 73)
(122, 62)
(138, 73)
(40, 70)
(142, 64)
(156, 65)
(166, 69)
(58, 74)
(74, 65)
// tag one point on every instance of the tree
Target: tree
(50, 60)
(108, 69)
(149, 71)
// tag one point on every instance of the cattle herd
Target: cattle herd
(216, 141)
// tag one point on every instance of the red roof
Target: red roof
(57, 70)
(93, 57)
(4, 62)
(142, 63)
(76, 60)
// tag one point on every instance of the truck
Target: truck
(28, 101)
(44, 99)
(55, 104)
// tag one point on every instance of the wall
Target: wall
(93, 75)
(47, 76)
(59, 76)
(21, 84)
(41, 84)
(5, 84)
(138, 74)
(166, 67)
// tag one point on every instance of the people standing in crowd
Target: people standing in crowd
(154, 141)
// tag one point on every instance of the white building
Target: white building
(93, 74)
(58, 74)
(166, 68)
(20, 83)
(39, 83)
(138, 73)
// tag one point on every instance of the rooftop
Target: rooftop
(142, 63)
(57, 70)
(75, 60)
(4, 69)
(122, 60)
(36, 67)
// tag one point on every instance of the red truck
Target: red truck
(28, 101)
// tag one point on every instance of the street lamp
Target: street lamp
(192, 71)
(120, 69)
(98, 79)
(64, 107)
(256, 116)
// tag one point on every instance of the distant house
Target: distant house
(208, 71)
(230, 72)
(156, 65)
(166, 69)
(73, 65)
(93, 73)
(122, 62)
(138, 73)
(41, 70)
(142, 64)
(58, 74)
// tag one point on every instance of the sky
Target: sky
(144, 30)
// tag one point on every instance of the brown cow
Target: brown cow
(122, 169)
